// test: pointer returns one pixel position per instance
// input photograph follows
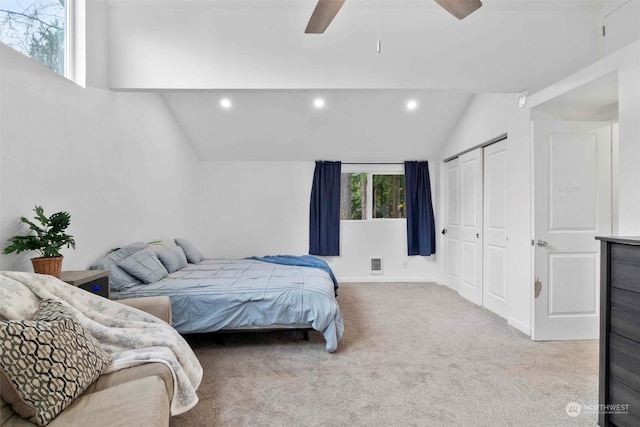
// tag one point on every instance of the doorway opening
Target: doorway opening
(574, 199)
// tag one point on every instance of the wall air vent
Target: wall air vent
(376, 266)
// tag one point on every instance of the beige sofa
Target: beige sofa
(139, 395)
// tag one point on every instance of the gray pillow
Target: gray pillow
(144, 265)
(118, 277)
(173, 259)
(193, 254)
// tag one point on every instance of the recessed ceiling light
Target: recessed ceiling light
(318, 103)
(412, 105)
(225, 103)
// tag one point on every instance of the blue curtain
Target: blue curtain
(324, 211)
(421, 229)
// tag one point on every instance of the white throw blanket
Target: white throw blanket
(131, 336)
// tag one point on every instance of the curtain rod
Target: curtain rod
(371, 163)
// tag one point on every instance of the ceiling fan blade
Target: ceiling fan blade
(460, 8)
(322, 15)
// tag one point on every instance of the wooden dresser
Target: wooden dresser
(620, 332)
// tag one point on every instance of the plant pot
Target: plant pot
(51, 266)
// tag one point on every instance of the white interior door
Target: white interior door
(452, 224)
(494, 282)
(572, 205)
(470, 207)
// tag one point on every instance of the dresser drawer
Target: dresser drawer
(625, 313)
(622, 394)
(625, 267)
(624, 360)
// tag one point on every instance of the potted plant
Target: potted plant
(48, 239)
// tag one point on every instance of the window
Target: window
(37, 28)
(367, 195)
(353, 196)
(388, 196)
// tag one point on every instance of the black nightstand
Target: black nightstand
(96, 281)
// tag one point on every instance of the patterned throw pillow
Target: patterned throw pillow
(47, 362)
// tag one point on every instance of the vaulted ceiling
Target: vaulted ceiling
(255, 53)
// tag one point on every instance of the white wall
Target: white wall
(116, 161)
(254, 208)
(620, 18)
(486, 117)
(262, 208)
(97, 33)
(519, 219)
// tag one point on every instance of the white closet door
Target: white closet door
(495, 228)
(572, 206)
(452, 224)
(470, 231)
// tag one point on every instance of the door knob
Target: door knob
(444, 231)
(542, 243)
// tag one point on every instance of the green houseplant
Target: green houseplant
(48, 239)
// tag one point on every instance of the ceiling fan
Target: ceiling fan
(326, 10)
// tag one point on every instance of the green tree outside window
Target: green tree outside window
(37, 29)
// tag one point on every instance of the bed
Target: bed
(235, 294)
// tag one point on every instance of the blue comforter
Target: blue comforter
(220, 294)
(301, 261)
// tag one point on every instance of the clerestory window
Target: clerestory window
(38, 29)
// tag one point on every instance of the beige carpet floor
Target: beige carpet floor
(413, 354)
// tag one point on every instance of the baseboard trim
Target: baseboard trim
(519, 326)
(381, 279)
(453, 288)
